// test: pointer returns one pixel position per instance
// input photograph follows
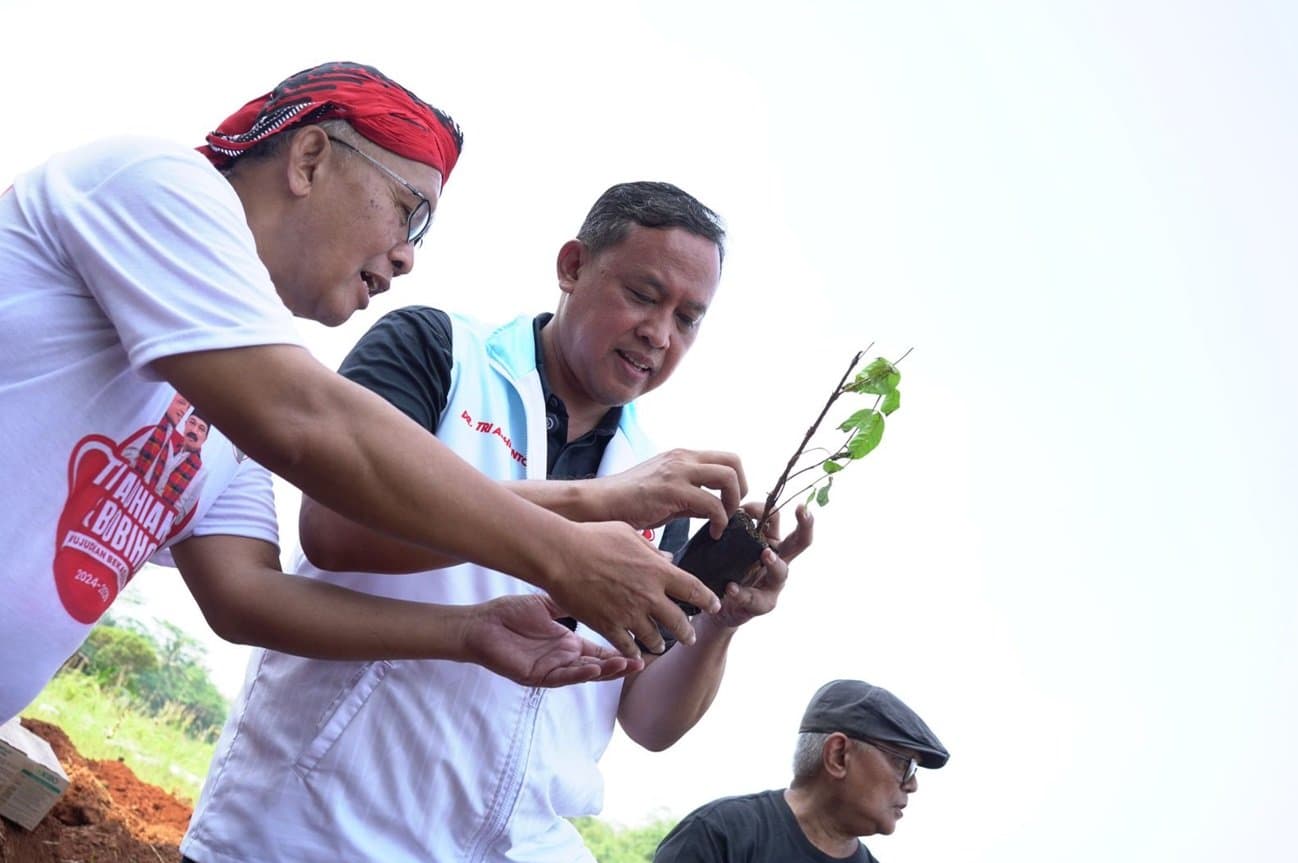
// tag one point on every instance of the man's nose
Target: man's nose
(402, 258)
(656, 330)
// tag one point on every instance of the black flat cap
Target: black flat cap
(866, 712)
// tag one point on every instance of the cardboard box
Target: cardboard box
(31, 778)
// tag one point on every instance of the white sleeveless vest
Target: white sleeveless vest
(421, 760)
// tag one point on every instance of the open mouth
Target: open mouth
(374, 285)
(635, 363)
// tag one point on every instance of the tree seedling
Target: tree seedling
(812, 470)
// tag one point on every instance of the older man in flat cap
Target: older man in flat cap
(855, 766)
(133, 269)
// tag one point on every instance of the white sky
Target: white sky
(1073, 553)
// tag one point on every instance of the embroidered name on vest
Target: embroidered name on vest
(490, 428)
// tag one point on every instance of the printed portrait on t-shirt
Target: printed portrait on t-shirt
(125, 500)
(153, 458)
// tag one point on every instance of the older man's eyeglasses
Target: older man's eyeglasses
(905, 764)
(421, 217)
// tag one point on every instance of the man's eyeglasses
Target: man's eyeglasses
(421, 217)
(908, 765)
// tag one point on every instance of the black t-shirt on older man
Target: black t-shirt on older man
(754, 828)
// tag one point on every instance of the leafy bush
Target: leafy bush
(163, 675)
(626, 845)
(118, 657)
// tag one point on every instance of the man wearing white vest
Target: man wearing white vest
(442, 761)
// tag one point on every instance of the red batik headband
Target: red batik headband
(380, 109)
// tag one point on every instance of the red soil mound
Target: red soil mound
(107, 815)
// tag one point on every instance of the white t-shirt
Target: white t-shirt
(112, 256)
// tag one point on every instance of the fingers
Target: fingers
(586, 670)
(775, 570)
(798, 541)
(671, 618)
(717, 526)
(630, 592)
(622, 640)
(686, 588)
(771, 572)
(646, 632)
(751, 601)
(725, 478)
(612, 671)
(611, 663)
(620, 666)
(697, 471)
(695, 501)
(744, 603)
(735, 467)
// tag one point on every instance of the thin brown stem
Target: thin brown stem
(791, 498)
(788, 468)
(773, 503)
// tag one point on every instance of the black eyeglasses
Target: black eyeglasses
(421, 217)
(909, 766)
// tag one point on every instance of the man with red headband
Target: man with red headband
(134, 269)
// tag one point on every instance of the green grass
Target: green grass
(104, 726)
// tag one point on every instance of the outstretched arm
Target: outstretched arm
(349, 449)
(670, 485)
(669, 697)
(247, 599)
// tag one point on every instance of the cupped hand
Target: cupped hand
(518, 637)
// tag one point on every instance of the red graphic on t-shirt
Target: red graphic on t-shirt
(120, 510)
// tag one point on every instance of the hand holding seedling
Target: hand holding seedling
(675, 484)
(761, 589)
(629, 590)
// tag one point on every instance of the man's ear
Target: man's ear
(572, 257)
(834, 755)
(308, 151)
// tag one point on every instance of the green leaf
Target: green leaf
(867, 436)
(822, 496)
(891, 402)
(857, 421)
(810, 497)
(879, 377)
(831, 466)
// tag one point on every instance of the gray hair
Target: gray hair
(649, 205)
(807, 755)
